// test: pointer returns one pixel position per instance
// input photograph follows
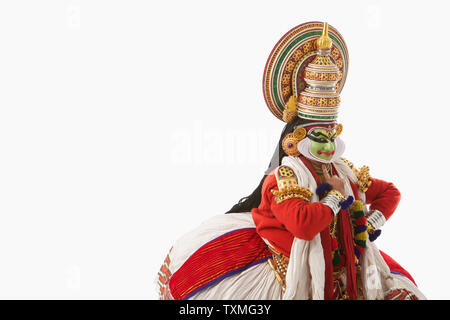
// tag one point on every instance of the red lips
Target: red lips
(326, 153)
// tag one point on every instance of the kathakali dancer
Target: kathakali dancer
(308, 230)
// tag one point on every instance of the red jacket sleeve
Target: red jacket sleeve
(383, 196)
(301, 218)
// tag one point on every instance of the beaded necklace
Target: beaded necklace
(359, 225)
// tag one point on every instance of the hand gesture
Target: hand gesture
(334, 181)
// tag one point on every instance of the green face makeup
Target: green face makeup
(322, 143)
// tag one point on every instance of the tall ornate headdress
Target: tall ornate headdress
(305, 73)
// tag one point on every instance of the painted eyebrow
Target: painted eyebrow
(317, 139)
(317, 134)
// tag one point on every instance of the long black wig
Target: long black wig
(253, 200)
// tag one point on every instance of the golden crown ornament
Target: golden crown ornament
(305, 73)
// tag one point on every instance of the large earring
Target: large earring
(299, 134)
(289, 145)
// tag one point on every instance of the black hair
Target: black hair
(246, 204)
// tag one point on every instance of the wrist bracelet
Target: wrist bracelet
(333, 202)
(337, 194)
(376, 219)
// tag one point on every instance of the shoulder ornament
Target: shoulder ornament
(288, 187)
(362, 175)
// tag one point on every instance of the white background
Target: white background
(124, 124)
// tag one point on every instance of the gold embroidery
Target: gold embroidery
(279, 264)
(292, 192)
(362, 175)
(364, 181)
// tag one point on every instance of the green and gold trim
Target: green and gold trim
(283, 75)
(316, 117)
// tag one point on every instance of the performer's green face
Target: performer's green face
(323, 145)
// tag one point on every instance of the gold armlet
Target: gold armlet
(288, 187)
(364, 177)
(292, 192)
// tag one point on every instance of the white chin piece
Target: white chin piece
(304, 147)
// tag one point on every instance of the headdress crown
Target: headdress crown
(319, 100)
(306, 72)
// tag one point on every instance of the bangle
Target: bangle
(376, 219)
(333, 202)
(337, 194)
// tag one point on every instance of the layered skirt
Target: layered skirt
(224, 258)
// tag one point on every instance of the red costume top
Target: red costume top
(280, 223)
(222, 259)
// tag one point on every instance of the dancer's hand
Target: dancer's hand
(334, 181)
